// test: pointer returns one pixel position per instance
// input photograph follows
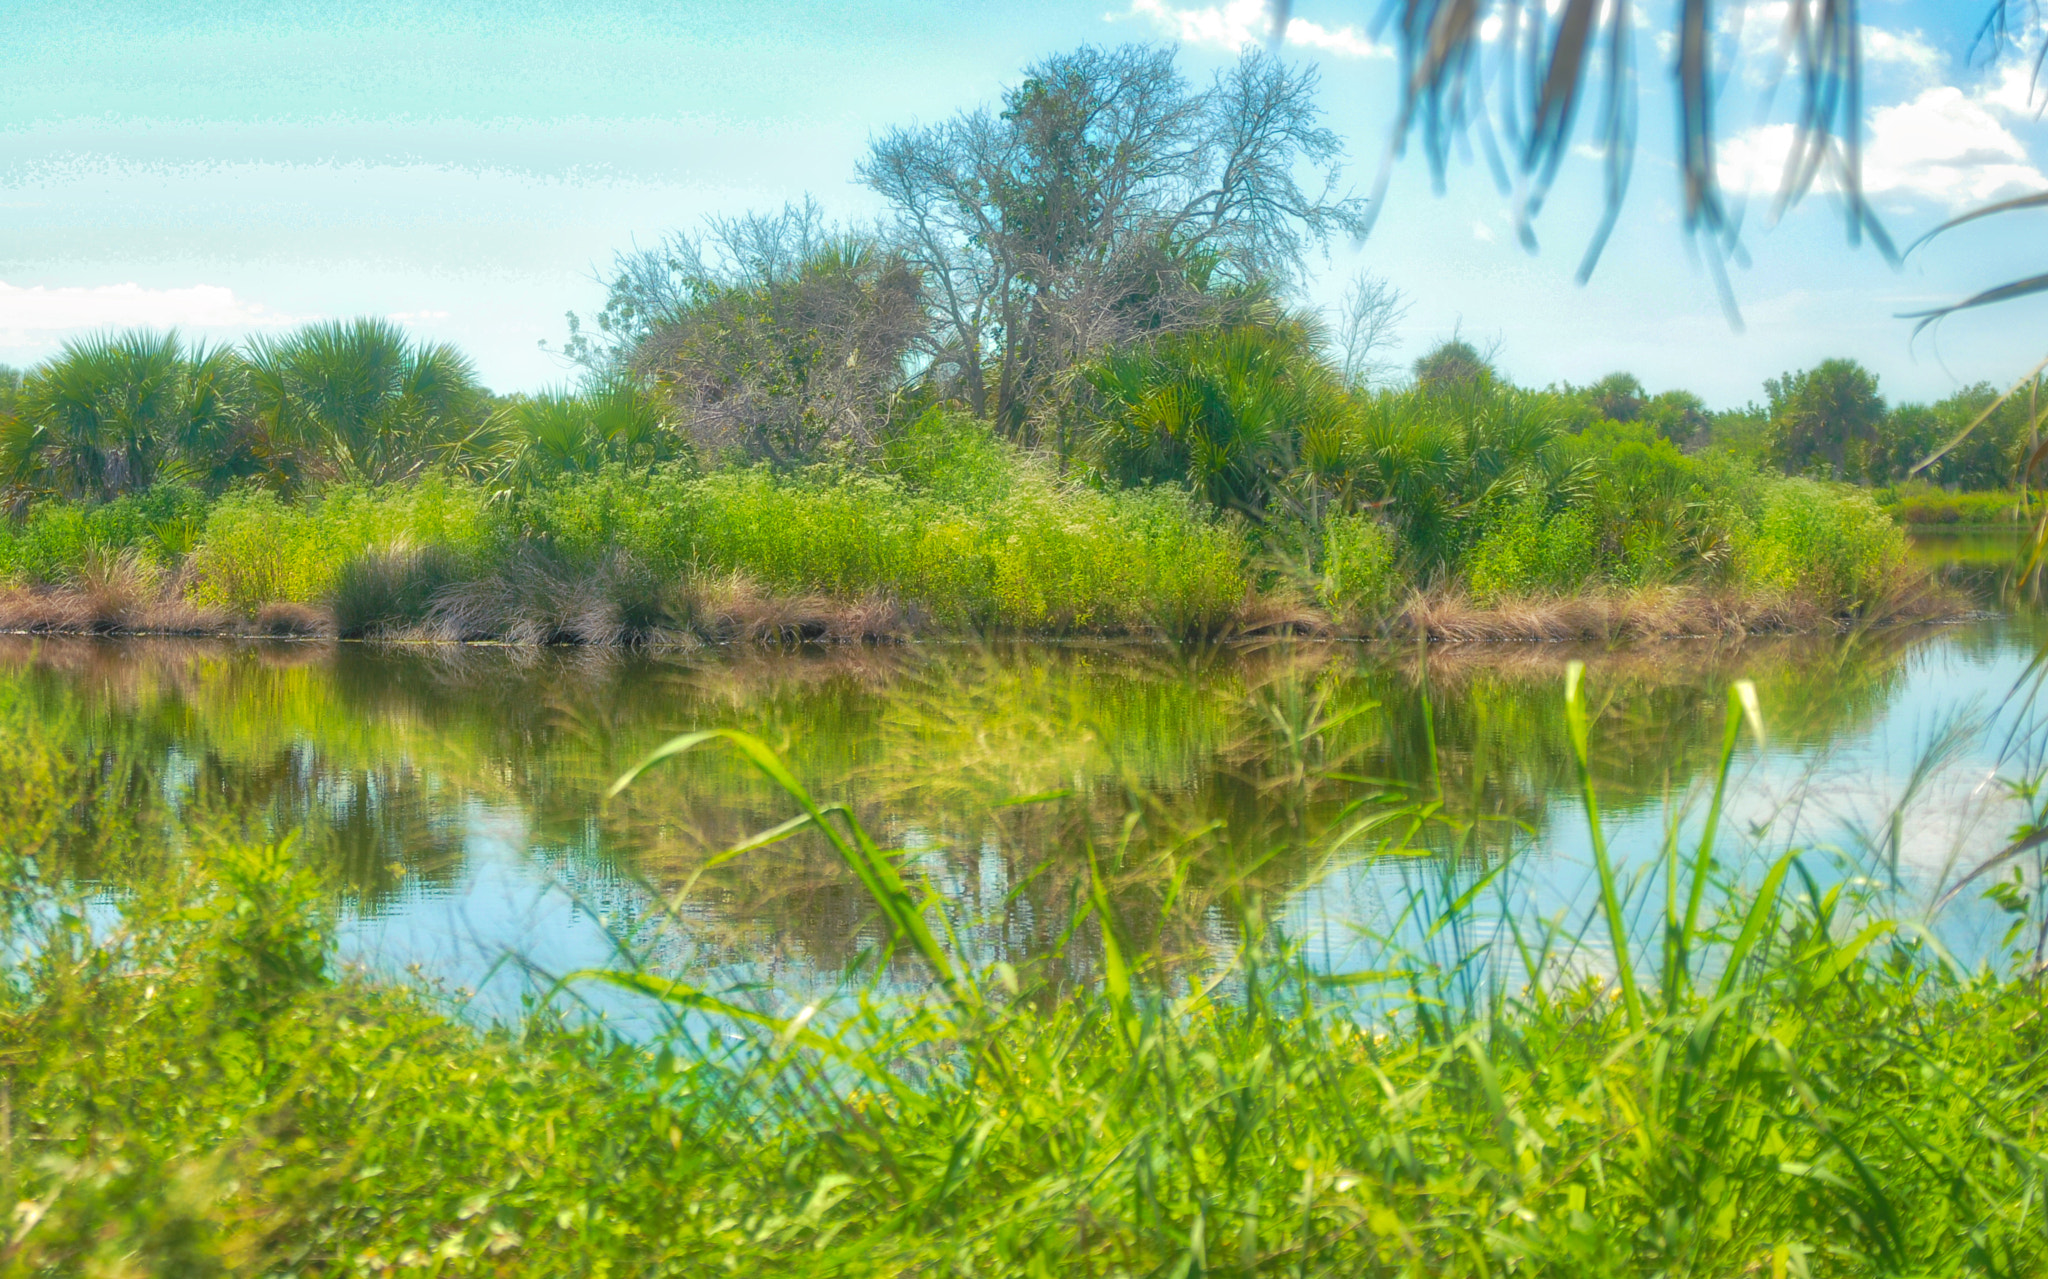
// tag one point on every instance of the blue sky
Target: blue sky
(469, 168)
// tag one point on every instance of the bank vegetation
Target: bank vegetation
(1065, 386)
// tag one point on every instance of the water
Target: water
(455, 796)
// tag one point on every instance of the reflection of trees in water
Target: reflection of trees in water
(1239, 763)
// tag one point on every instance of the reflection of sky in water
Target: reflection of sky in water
(1939, 757)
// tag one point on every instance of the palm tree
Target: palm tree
(1230, 411)
(616, 422)
(366, 401)
(114, 413)
(1435, 463)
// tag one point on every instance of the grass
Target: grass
(1769, 1078)
(952, 532)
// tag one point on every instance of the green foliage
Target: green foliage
(1462, 477)
(1231, 413)
(258, 549)
(1053, 556)
(368, 401)
(952, 458)
(56, 540)
(1921, 503)
(1361, 574)
(616, 422)
(1678, 416)
(1829, 544)
(114, 413)
(1437, 463)
(1743, 433)
(1528, 551)
(1828, 415)
(1453, 366)
(1986, 455)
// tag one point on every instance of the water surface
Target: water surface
(454, 796)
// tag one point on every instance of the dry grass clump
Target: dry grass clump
(539, 597)
(294, 621)
(116, 594)
(1654, 613)
(734, 608)
(389, 590)
(535, 599)
(1272, 615)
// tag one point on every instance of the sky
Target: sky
(470, 169)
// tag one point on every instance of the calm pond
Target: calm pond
(457, 793)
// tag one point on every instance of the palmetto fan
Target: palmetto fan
(1513, 74)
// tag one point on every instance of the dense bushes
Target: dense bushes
(1821, 543)
(56, 540)
(1032, 553)
(1925, 504)
(256, 548)
(1205, 478)
(964, 533)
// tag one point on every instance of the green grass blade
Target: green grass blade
(1610, 895)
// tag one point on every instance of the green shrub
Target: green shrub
(1051, 556)
(843, 534)
(1825, 542)
(57, 540)
(1528, 552)
(1360, 576)
(952, 459)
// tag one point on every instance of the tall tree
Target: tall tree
(1104, 200)
(776, 335)
(1831, 412)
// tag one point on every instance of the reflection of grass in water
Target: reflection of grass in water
(378, 750)
(1788, 1086)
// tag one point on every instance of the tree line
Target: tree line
(1105, 266)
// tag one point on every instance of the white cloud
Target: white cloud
(34, 315)
(1899, 48)
(1943, 145)
(1233, 24)
(2016, 92)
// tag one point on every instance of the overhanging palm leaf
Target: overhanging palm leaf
(1513, 75)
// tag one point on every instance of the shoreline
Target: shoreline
(1648, 616)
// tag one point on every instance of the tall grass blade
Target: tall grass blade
(1610, 894)
(877, 874)
(1742, 707)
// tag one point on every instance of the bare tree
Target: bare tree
(1106, 199)
(1368, 329)
(775, 334)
